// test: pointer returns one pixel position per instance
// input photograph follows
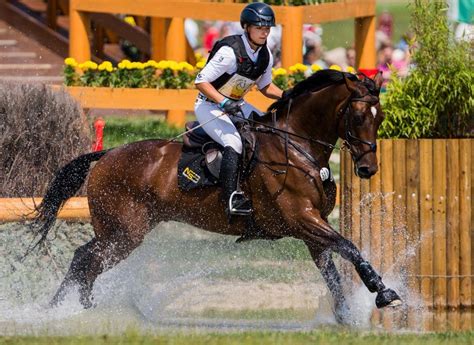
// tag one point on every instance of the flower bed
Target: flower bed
(163, 74)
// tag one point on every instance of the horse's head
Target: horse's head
(360, 119)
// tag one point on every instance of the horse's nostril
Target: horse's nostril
(364, 172)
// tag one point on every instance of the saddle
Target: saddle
(201, 157)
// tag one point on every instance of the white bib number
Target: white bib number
(236, 87)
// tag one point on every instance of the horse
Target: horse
(133, 187)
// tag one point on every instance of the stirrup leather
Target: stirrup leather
(239, 207)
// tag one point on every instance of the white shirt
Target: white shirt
(225, 61)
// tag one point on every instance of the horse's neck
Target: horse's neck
(316, 118)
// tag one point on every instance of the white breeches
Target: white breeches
(220, 128)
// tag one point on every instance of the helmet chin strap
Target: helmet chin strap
(251, 40)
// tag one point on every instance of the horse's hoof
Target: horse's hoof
(387, 298)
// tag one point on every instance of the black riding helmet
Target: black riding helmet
(258, 14)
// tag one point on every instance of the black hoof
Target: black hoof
(387, 298)
(343, 315)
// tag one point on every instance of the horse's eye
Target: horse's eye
(358, 119)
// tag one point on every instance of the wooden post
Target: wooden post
(52, 12)
(376, 229)
(386, 176)
(466, 222)
(439, 225)
(412, 215)
(79, 47)
(158, 29)
(452, 216)
(292, 36)
(365, 42)
(176, 50)
(426, 220)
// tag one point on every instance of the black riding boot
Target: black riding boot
(236, 202)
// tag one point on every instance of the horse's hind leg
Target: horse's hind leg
(323, 260)
(75, 274)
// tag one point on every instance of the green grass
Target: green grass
(245, 338)
(122, 130)
(341, 33)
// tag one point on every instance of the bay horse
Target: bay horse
(134, 187)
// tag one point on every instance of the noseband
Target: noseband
(351, 139)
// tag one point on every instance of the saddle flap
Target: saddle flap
(195, 137)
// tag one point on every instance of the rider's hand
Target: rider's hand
(230, 107)
(286, 93)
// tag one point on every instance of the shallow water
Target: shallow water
(184, 278)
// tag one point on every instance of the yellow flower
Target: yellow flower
(299, 67)
(315, 67)
(351, 69)
(279, 71)
(88, 65)
(163, 64)
(151, 63)
(174, 66)
(198, 56)
(71, 62)
(124, 64)
(185, 66)
(130, 20)
(135, 65)
(201, 64)
(335, 67)
(105, 66)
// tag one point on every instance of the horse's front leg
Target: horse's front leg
(323, 260)
(319, 233)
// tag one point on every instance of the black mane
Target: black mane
(315, 82)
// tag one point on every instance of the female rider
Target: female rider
(235, 64)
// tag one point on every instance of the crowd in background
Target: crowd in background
(390, 54)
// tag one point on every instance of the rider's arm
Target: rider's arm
(264, 83)
(210, 92)
(272, 91)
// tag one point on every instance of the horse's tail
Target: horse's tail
(65, 184)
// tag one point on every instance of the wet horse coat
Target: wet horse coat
(134, 187)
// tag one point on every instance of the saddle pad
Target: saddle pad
(193, 172)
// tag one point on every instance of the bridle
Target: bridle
(349, 138)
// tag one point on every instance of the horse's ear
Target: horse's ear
(378, 80)
(350, 84)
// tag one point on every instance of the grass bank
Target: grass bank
(246, 338)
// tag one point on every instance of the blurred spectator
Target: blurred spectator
(313, 56)
(211, 35)
(384, 60)
(384, 32)
(192, 32)
(405, 41)
(351, 57)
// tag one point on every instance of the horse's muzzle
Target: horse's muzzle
(365, 172)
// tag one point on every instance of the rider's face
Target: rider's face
(258, 34)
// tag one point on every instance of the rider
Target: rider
(235, 64)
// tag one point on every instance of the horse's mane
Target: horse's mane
(316, 82)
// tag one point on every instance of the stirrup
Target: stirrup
(241, 207)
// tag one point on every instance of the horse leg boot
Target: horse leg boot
(331, 276)
(236, 203)
(373, 282)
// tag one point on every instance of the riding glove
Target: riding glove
(230, 107)
(286, 93)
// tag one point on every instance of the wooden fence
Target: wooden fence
(415, 216)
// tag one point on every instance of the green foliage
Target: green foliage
(119, 131)
(436, 99)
